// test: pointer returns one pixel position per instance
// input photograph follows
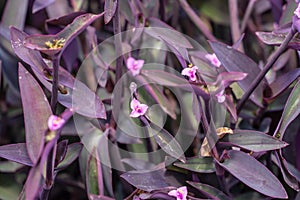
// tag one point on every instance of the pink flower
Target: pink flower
(221, 96)
(138, 109)
(55, 122)
(179, 193)
(297, 11)
(134, 65)
(190, 72)
(213, 59)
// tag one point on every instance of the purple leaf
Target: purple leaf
(235, 61)
(138, 164)
(180, 52)
(110, 9)
(94, 109)
(41, 4)
(209, 191)
(16, 152)
(253, 140)
(288, 12)
(277, 7)
(254, 174)
(53, 44)
(283, 82)
(200, 165)
(224, 79)
(161, 30)
(290, 112)
(146, 180)
(72, 154)
(61, 151)
(276, 39)
(36, 111)
(167, 142)
(32, 58)
(288, 177)
(158, 95)
(14, 14)
(172, 80)
(63, 20)
(32, 184)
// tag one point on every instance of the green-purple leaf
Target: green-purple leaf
(276, 39)
(39, 42)
(14, 14)
(36, 111)
(291, 110)
(73, 152)
(138, 164)
(254, 174)
(110, 9)
(209, 191)
(161, 30)
(93, 173)
(146, 180)
(94, 108)
(253, 140)
(200, 165)
(283, 81)
(235, 61)
(167, 142)
(16, 152)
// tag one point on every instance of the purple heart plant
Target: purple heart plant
(135, 99)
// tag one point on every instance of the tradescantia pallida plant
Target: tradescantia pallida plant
(157, 99)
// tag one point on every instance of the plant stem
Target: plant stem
(265, 70)
(234, 21)
(196, 19)
(207, 128)
(118, 42)
(119, 62)
(149, 144)
(50, 159)
(54, 95)
(247, 14)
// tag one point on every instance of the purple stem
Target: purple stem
(119, 61)
(50, 159)
(266, 68)
(234, 19)
(55, 61)
(247, 14)
(196, 19)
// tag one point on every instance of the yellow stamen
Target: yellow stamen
(55, 43)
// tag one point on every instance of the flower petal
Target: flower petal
(184, 190)
(130, 62)
(186, 72)
(135, 71)
(297, 11)
(55, 122)
(134, 103)
(143, 108)
(140, 63)
(173, 193)
(134, 114)
(213, 59)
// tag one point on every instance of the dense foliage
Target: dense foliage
(140, 99)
